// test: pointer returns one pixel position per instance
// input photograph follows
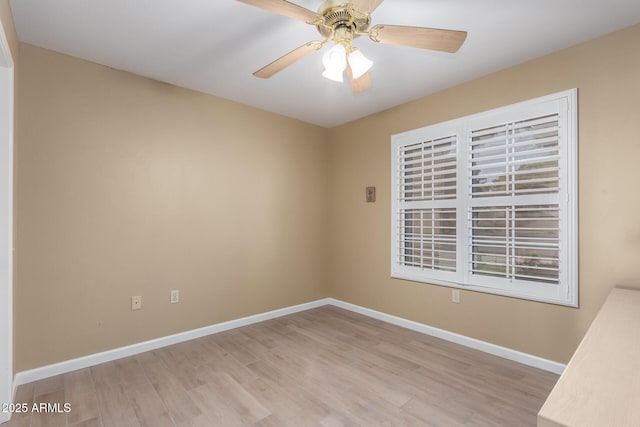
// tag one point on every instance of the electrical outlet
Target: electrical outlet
(455, 296)
(136, 303)
(175, 297)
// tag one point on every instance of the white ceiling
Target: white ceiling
(214, 46)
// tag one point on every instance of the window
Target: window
(489, 202)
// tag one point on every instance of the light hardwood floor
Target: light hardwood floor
(323, 367)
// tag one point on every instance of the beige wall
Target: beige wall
(606, 72)
(128, 186)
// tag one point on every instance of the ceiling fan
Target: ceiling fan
(343, 20)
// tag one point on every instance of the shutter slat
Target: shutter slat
(510, 157)
(484, 145)
(518, 182)
(517, 173)
(514, 163)
(538, 121)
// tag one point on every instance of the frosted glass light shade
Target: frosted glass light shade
(359, 64)
(335, 62)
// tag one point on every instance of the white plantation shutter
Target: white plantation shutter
(489, 202)
(426, 218)
(514, 185)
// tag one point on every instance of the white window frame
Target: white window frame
(566, 291)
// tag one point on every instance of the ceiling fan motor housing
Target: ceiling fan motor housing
(340, 16)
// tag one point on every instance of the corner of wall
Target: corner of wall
(9, 28)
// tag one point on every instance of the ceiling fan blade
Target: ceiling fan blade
(361, 84)
(283, 7)
(423, 38)
(366, 6)
(288, 59)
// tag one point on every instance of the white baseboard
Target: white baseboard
(496, 350)
(36, 374)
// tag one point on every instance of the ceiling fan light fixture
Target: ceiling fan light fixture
(335, 62)
(359, 63)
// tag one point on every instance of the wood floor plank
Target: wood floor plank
(280, 405)
(105, 374)
(46, 417)
(223, 411)
(48, 385)
(196, 421)
(273, 421)
(176, 360)
(435, 414)
(285, 398)
(115, 408)
(149, 409)
(80, 393)
(223, 361)
(180, 407)
(196, 352)
(322, 367)
(92, 422)
(130, 372)
(242, 348)
(236, 400)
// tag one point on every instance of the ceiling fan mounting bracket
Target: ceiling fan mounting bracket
(373, 33)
